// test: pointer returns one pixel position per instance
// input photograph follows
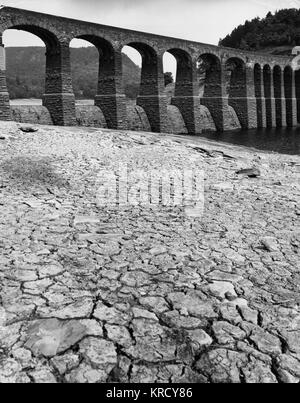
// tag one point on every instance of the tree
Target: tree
(168, 76)
(281, 29)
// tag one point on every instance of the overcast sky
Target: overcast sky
(199, 20)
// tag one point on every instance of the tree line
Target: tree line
(278, 33)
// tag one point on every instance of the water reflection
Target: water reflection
(280, 140)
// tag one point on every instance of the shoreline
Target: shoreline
(138, 293)
(267, 139)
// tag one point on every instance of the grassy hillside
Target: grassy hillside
(26, 72)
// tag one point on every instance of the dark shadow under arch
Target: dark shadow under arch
(184, 74)
(209, 69)
(267, 76)
(258, 94)
(277, 82)
(288, 92)
(297, 88)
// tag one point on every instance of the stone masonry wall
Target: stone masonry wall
(92, 116)
(229, 76)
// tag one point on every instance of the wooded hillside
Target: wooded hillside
(26, 72)
(277, 33)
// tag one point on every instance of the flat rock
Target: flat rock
(65, 362)
(250, 172)
(221, 365)
(288, 368)
(119, 335)
(199, 339)
(50, 336)
(221, 288)
(85, 373)
(99, 352)
(193, 305)
(110, 315)
(78, 309)
(28, 129)
(270, 244)
(143, 313)
(266, 342)
(226, 333)
(43, 375)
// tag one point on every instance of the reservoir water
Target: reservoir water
(279, 140)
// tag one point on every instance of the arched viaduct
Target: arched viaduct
(261, 88)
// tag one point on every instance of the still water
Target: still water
(279, 140)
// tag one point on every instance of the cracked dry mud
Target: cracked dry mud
(140, 294)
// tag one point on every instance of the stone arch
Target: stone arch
(14, 18)
(54, 48)
(236, 70)
(21, 85)
(297, 90)
(210, 86)
(50, 39)
(132, 82)
(209, 68)
(268, 92)
(184, 74)
(259, 95)
(54, 81)
(58, 97)
(288, 93)
(187, 106)
(151, 97)
(236, 88)
(150, 66)
(109, 95)
(85, 53)
(170, 65)
(277, 82)
(109, 64)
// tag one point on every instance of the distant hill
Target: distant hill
(277, 33)
(26, 72)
